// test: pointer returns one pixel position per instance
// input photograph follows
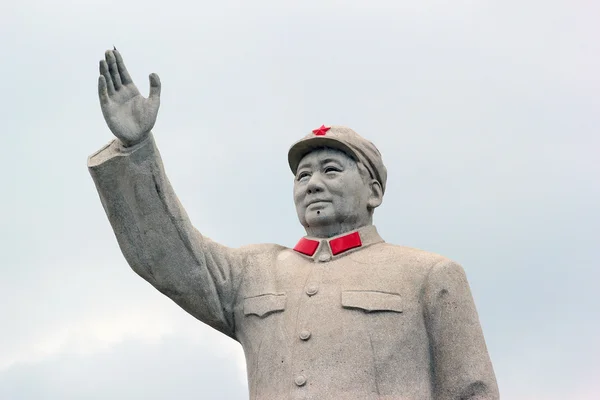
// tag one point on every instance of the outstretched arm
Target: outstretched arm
(152, 228)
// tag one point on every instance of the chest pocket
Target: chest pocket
(371, 301)
(264, 304)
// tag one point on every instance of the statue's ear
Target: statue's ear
(376, 196)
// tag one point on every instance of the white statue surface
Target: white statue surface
(342, 315)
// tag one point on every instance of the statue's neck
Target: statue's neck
(331, 230)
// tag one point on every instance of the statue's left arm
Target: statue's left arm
(462, 368)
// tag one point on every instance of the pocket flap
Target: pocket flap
(264, 304)
(371, 301)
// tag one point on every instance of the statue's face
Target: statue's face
(331, 194)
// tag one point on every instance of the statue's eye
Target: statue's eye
(302, 175)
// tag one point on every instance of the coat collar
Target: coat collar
(325, 249)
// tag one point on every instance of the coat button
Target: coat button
(300, 380)
(305, 335)
(312, 289)
(324, 257)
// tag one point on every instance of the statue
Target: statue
(342, 315)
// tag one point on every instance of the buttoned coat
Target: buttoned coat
(374, 321)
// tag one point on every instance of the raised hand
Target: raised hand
(128, 114)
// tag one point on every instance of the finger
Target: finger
(154, 86)
(112, 68)
(104, 72)
(102, 90)
(125, 78)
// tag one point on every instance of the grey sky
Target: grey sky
(486, 114)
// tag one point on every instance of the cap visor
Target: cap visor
(305, 146)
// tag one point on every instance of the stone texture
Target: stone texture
(344, 315)
(384, 321)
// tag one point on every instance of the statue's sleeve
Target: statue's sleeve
(462, 368)
(158, 240)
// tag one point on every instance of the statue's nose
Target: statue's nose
(315, 184)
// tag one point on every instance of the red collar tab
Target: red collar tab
(307, 246)
(337, 245)
(321, 131)
(344, 243)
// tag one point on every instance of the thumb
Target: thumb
(154, 87)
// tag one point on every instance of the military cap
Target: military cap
(346, 140)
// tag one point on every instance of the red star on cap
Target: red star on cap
(321, 131)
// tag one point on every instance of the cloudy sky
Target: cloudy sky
(486, 113)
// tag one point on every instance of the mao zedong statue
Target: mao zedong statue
(341, 316)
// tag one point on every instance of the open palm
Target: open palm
(128, 114)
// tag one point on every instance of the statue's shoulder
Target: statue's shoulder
(263, 249)
(412, 255)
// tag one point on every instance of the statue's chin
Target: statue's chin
(319, 218)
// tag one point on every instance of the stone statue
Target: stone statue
(343, 315)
